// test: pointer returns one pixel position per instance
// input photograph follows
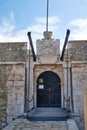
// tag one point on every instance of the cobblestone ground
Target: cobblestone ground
(24, 124)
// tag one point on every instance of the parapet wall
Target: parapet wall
(13, 51)
(78, 50)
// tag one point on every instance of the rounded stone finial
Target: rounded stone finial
(47, 34)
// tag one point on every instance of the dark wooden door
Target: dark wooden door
(48, 90)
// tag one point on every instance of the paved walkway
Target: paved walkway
(24, 124)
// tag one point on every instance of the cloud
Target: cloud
(80, 23)
(8, 27)
(8, 32)
(52, 20)
(12, 16)
(78, 29)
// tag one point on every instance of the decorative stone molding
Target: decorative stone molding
(47, 34)
(48, 46)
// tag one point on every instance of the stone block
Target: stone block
(10, 83)
(20, 109)
(19, 83)
(72, 125)
(20, 98)
(18, 71)
(9, 118)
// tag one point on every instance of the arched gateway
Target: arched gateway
(48, 90)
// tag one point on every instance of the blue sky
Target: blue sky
(17, 17)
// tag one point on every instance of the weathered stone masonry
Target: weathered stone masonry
(12, 80)
(78, 50)
(4, 73)
(78, 54)
(15, 88)
(13, 52)
(14, 61)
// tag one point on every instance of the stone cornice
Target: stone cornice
(12, 63)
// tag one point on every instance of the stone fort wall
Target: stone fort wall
(13, 60)
(12, 80)
(78, 50)
(13, 51)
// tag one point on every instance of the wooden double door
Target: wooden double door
(48, 90)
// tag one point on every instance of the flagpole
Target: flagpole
(47, 15)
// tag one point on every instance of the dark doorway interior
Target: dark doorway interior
(48, 90)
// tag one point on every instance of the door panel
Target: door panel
(48, 90)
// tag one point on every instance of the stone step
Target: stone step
(47, 114)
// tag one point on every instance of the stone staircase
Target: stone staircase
(47, 114)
